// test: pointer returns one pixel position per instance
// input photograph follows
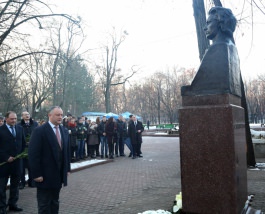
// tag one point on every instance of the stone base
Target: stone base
(213, 155)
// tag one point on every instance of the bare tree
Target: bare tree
(110, 75)
(14, 14)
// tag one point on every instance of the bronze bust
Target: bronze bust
(219, 72)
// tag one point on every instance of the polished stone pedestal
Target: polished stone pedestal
(213, 154)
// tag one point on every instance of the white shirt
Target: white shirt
(54, 129)
(9, 127)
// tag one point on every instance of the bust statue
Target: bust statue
(219, 72)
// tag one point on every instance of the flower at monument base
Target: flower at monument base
(155, 212)
(177, 203)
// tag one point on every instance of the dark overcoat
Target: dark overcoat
(11, 146)
(44, 158)
(133, 134)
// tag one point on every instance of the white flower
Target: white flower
(156, 212)
(178, 205)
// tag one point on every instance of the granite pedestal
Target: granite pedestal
(213, 154)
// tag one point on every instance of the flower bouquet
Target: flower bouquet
(178, 204)
(22, 155)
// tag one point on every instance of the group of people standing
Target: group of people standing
(48, 161)
(50, 147)
(88, 137)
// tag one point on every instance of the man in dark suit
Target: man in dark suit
(12, 143)
(28, 126)
(135, 129)
(49, 160)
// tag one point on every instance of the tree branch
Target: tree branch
(26, 54)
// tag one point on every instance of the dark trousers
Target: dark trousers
(110, 145)
(97, 146)
(13, 191)
(136, 149)
(25, 165)
(116, 147)
(119, 146)
(88, 152)
(73, 152)
(92, 150)
(48, 201)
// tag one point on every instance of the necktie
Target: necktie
(135, 123)
(58, 136)
(13, 131)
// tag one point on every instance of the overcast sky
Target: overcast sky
(161, 33)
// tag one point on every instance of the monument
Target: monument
(212, 126)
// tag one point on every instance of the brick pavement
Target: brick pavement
(127, 186)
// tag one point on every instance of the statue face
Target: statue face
(212, 27)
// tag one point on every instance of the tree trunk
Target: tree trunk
(250, 150)
(200, 21)
(217, 3)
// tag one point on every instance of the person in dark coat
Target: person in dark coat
(12, 143)
(49, 159)
(82, 135)
(97, 145)
(127, 139)
(121, 128)
(28, 126)
(110, 133)
(148, 124)
(93, 140)
(73, 139)
(135, 129)
(103, 137)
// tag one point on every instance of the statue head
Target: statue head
(220, 20)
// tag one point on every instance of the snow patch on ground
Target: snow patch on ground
(85, 163)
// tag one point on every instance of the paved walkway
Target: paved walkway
(127, 186)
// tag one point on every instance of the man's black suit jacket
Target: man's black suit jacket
(135, 136)
(44, 159)
(10, 146)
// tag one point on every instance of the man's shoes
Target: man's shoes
(106, 156)
(15, 208)
(122, 155)
(140, 156)
(130, 155)
(101, 156)
(133, 157)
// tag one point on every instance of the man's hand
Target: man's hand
(39, 179)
